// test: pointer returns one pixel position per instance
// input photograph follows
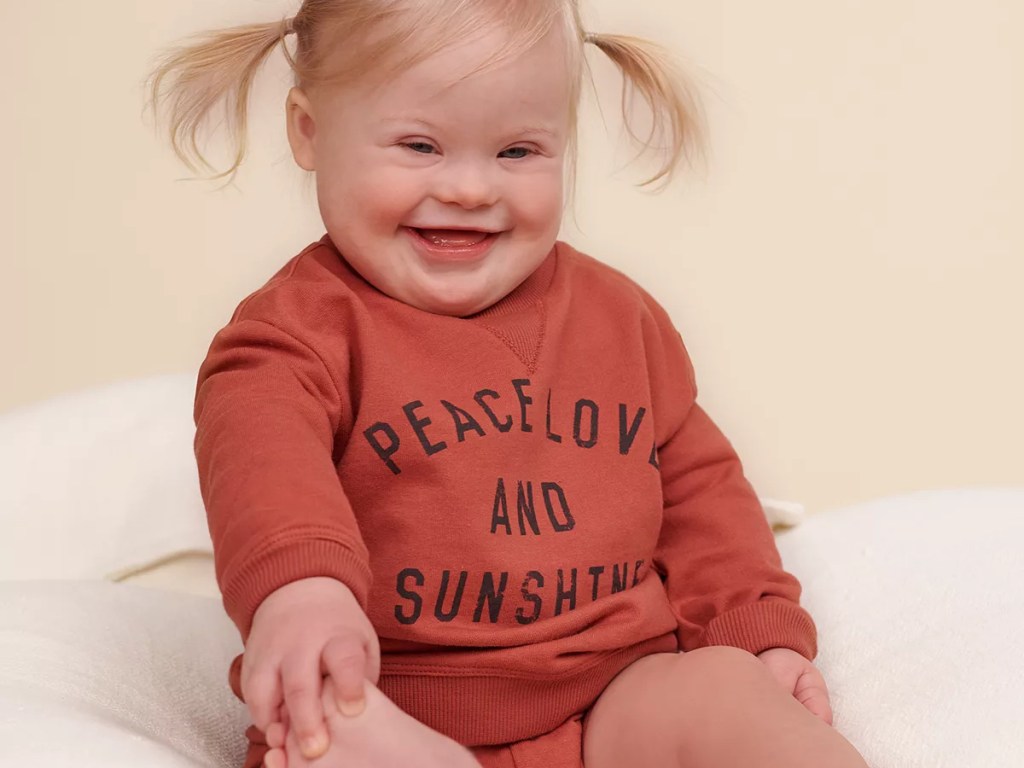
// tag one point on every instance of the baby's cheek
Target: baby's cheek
(541, 203)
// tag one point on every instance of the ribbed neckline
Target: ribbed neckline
(518, 320)
(525, 297)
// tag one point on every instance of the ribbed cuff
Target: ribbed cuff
(768, 623)
(290, 560)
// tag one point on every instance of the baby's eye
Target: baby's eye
(420, 146)
(516, 153)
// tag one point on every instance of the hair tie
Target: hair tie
(288, 27)
(590, 37)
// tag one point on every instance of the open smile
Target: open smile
(452, 244)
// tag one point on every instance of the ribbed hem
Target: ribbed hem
(486, 709)
(769, 623)
(288, 561)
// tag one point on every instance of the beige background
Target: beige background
(848, 273)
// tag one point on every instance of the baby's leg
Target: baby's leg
(710, 708)
(383, 736)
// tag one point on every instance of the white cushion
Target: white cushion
(918, 604)
(101, 482)
(915, 599)
(94, 674)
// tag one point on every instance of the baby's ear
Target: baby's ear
(301, 128)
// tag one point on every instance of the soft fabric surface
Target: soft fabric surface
(918, 605)
(914, 598)
(100, 482)
(111, 675)
(192, 574)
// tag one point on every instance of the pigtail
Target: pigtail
(190, 81)
(677, 128)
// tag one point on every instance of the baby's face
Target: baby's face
(443, 191)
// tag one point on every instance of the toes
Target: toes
(275, 758)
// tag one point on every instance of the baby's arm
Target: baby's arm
(716, 552)
(268, 408)
(722, 570)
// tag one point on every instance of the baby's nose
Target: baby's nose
(468, 186)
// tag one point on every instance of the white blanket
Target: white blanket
(114, 675)
(100, 482)
(920, 615)
(914, 597)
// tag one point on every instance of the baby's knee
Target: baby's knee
(704, 678)
(677, 682)
(719, 671)
(719, 660)
(665, 701)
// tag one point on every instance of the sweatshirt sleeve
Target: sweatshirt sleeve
(716, 552)
(267, 410)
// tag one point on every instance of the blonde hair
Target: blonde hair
(384, 37)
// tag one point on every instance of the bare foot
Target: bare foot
(383, 736)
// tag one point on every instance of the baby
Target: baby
(465, 507)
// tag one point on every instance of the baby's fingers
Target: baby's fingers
(277, 731)
(300, 677)
(275, 735)
(262, 693)
(813, 694)
(344, 659)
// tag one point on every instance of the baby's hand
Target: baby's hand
(801, 678)
(300, 633)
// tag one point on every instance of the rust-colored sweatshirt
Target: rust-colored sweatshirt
(524, 501)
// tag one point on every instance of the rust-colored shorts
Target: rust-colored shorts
(561, 748)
